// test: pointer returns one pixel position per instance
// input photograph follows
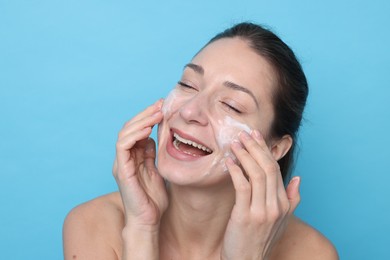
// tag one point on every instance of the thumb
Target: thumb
(150, 154)
(293, 194)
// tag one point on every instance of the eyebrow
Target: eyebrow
(234, 86)
(196, 68)
(199, 69)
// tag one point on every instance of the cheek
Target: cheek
(172, 103)
(227, 131)
(167, 105)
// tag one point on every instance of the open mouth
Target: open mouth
(190, 147)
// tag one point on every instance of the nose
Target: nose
(193, 111)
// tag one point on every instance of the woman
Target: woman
(226, 139)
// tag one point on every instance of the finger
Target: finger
(150, 110)
(115, 167)
(152, 181)
(256, 146)
(261, 142)
(276, 198)
(150, 155)
(284, 203)
(148, 121)
(255, 173)
(241, 185)
(293, 194)
(125, 144)
(277, 182)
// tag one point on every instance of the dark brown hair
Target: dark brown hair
(290, 95)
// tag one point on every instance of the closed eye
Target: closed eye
(230, 107)
(184, 85)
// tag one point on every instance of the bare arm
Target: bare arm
(140, 244)
(141, 187)
(91, 231)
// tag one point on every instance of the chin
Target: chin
(193, 173)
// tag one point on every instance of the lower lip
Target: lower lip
(177, 154)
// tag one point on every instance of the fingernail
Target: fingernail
(295, 181)
(229, 161)
(244, 135)
(256, 134)
(156, 114)
(159, 103)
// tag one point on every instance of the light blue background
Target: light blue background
(72, 72)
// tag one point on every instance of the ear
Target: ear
(281, 147)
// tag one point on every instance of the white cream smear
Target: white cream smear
(166, 109)
(227, 131)
(168, 101)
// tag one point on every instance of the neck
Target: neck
(196, 219)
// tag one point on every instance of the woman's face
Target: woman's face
(225, 89)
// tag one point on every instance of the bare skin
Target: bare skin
(93, 230)
(207, 211)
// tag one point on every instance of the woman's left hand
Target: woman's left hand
(263, 206)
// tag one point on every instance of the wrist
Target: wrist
(140, 242)
(140, 231)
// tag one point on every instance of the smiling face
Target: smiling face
(225, 89)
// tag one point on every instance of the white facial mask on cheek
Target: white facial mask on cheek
(228, 132)
(168, 101)
(167, 112)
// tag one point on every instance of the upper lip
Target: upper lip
(190, 138)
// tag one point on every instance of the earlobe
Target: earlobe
(281, 147)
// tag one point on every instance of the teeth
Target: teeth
(176, 144)
(196, 145)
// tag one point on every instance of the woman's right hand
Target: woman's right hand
(141, 187)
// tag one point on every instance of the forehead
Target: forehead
(234, 60)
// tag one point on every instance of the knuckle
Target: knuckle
(123, 175)
(251, 144)
(274, 214)
(243, 188)
(120, 146)
(241, 218)
(272, 168)
(120, 135)
(128, 123)
(260, 216)
(258, 177)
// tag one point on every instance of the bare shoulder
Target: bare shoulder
(93, 229)
(302, 241)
